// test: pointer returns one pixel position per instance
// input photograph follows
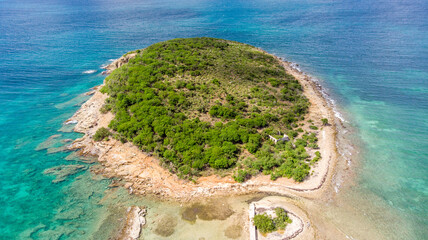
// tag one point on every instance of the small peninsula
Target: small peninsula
(195, 117)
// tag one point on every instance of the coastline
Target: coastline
(142, 174)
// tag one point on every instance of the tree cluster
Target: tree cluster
(266, 224)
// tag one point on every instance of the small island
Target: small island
(204, 104)
(187, 119)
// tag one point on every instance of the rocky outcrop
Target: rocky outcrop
(88, 119)
(135, 220)
(118, 63)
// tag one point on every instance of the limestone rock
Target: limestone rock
(135, 220)
(119, 62)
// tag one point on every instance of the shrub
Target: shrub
(255, 109)
(318, 154)
(292, 133)
(267, 224)
(281, 219)
(222, 111)
(241, 175)
(313, 127)
(299, 173)
(190, 86)
(313, 145)
(102, 134)
(253, 143)
(316, 158)
(274, 82)
(264, 223)
(180, 84)
(105, 108)
(222, 163)
(324, 121)
(301, 142)
(195, 73)
(215, 81)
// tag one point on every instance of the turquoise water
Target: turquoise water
(371, 55)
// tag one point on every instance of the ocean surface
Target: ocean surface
(371, 56)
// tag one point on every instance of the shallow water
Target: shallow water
(372, 56)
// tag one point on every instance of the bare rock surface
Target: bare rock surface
(135, 220)
(119, 62)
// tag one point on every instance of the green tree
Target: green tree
(264, 223)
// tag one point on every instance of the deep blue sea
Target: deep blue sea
(371, 55)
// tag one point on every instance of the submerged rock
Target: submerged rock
(67, 214)
(63, 171)
(52, 140)
(233, 231)
(57, 149)
(75, 156)
(166, 226)
(90, 93)
(214, 210)
(66, 140)
(28, 233)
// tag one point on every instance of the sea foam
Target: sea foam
(89, 71)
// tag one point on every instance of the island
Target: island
(198, 117)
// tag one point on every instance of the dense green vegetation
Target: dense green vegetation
(264, 223)
(267, 224)
(204, 104)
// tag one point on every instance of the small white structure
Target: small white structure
(253, 230)
(283, 139)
